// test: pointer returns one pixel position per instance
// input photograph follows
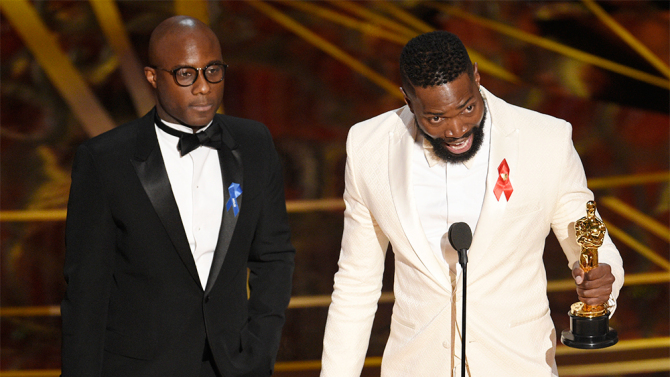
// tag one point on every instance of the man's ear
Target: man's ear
(150, 74)
(475, 74)
(407, 100)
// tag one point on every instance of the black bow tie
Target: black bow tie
(211, 137)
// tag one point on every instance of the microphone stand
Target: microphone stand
(460, 238)
(463, 261)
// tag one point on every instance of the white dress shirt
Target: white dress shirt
(447, 193)
(197, 186)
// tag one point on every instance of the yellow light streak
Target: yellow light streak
(109, 18)
(628, 180)
(610, 368)
(361, 11)
(327, 47)
(627, 37)
(30, 373)
(616, 368)
(405, 17)
(193, 8)
(554, 46)
(484, 64)
(637, 246)
(296, 366)
(31, 311)
(349, 22)
(293, 206)
(33, 215)
(44, 46)
(643, 278)
(622, 345)
(324, 300)
(636, 216)
(103, 70)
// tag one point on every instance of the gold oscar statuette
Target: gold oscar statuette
(589, 324)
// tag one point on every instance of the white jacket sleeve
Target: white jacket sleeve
(570, 207)
(358, 283)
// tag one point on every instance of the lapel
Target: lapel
(150, 169)
(230, 160)
(401, 142)
(504, 145)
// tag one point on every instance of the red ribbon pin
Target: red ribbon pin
(503, 183)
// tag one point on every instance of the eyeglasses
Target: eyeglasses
(186, 76)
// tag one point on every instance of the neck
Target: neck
(167, 118)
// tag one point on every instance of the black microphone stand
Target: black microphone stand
(460, 237)
(463, 261)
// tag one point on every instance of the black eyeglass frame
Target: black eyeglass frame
(173, 72)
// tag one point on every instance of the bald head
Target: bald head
(171, 31)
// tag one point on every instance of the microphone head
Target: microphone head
(460, 236)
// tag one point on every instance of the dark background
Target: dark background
(309, 99)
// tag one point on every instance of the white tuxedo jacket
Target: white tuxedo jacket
(509, 328)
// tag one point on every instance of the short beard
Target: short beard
(445, 155)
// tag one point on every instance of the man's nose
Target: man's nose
(454, 128)
(201, 85)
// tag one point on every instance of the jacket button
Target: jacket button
(206, 299)
(445, 344)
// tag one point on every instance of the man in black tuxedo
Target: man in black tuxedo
(169, 216)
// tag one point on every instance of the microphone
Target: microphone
(460, 238)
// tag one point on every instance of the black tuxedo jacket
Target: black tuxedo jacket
(134, 304)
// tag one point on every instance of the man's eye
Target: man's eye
(469, 108)
(435, 119)
(213, 70)
(184, 72)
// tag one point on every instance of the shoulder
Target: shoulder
(119, 139)
(381, 124)
(375, 132)
(243, 128)
(509, 117)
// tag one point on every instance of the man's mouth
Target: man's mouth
(202, 107)
(461, 145)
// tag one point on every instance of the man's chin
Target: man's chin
(444, 153)
(199, 120)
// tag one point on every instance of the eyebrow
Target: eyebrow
(459, 107)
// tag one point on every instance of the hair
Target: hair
(433, 59)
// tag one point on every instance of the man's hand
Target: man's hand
(594, 287)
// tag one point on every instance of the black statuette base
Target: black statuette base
(589, 333)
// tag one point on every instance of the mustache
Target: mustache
(453, 139)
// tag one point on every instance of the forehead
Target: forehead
(449, 97)
(188, 47)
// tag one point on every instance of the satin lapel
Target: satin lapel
(401, 142)
(504, 145)
(230, 159)
(150, 168)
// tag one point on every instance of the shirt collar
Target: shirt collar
(182, 128)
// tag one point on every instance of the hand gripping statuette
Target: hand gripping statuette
(589, 324)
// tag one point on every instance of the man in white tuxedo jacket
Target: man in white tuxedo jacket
(457, 153)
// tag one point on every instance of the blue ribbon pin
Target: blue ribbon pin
(235, 190)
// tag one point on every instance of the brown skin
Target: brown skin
(450, 112)
(184, 41)
(594, 287)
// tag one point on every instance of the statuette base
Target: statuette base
(589, 332)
